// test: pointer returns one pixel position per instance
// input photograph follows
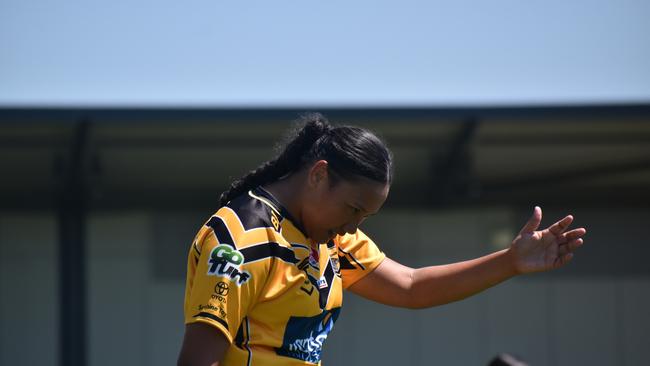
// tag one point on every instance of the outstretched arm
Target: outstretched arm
(531, 251)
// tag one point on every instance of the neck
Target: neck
(289, 192)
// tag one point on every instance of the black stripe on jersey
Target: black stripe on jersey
(243, 337)
(324, 293)
(266, 250)
(303, 264)
(345, 261)
(196, 250)
(248, 339)
(239, 338)
(330, 244)
(300, 246)
(284, 213)
(197, 253)
(252, 212)
(213, 317)
(261, 192)
(221, 231)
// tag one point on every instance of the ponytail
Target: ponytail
(312, 126)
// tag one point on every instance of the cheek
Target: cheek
(312, 218)
(324, 216)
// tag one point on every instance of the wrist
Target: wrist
(511, 262)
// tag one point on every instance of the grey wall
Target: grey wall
(29, 302)
(135, 319)
(585, 314)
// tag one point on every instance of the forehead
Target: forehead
(368, 194)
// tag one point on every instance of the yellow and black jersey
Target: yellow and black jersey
(275, 294)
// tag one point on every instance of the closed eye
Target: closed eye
(355, 210)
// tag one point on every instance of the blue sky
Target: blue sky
(329, 52)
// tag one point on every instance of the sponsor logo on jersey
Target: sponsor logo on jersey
(322, 283)
(336, 266)
(304, 336)
(220, 311)
(275, 221)
(334, 260)
(221, 288)
(226, 261)
(218, 297)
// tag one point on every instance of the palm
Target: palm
(546, 249)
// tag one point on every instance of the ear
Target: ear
(317, 175)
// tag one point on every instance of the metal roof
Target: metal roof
(168, 157)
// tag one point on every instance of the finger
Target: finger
(574, 244)
(533, 222)
(574, 234)
(569, 247)
(559, 227)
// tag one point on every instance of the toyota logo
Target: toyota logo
(221, 288)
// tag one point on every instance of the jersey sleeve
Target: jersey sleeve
(221, 286)
(358, 256)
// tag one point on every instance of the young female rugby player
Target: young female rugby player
(266, 272)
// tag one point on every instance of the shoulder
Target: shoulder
(251, 227)
(358, 238)
(358, 255)
(244, 221)
(250, 212)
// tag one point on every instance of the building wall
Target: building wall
(136, 284)
(29, 302)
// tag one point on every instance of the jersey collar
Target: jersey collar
(277, 206)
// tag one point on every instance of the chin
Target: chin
(324, 238)
(317, 237)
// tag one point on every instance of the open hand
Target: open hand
(551, 248)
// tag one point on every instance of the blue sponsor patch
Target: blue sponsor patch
(322, 283)
(304, 336)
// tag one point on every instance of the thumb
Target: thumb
(533, 222)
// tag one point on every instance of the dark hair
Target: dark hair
(351, 152)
